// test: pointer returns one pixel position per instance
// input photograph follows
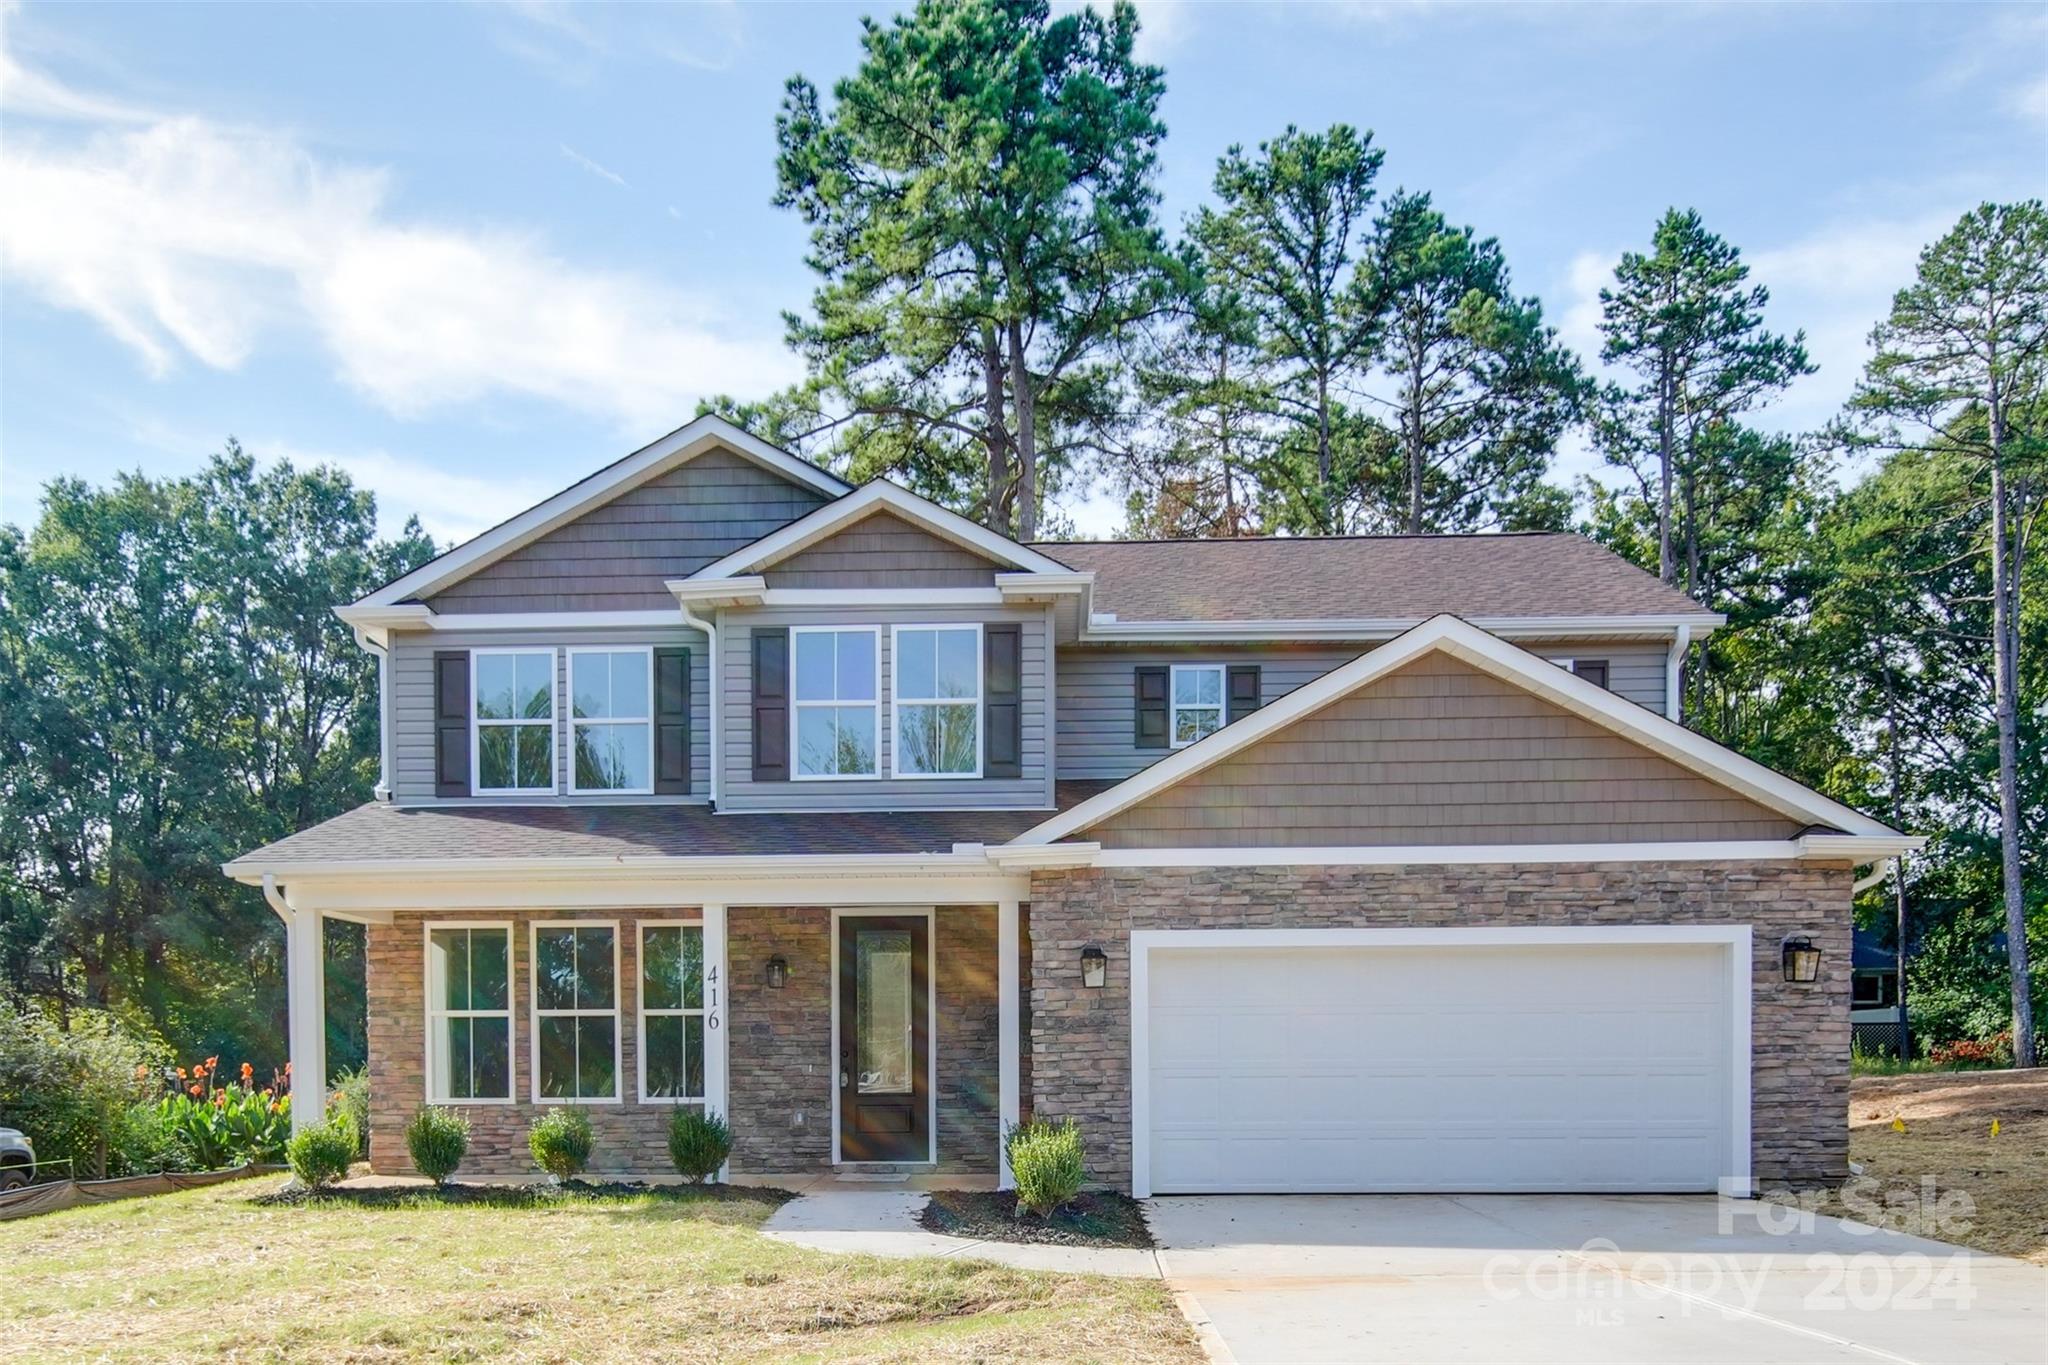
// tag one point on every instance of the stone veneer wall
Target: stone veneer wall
(632, 1138)
(1081, 1040)
(779, 1056)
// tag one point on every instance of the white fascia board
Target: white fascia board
(1040, 857)
(724, 592)
(877, 496)
(1511, 663)
(1040, 587)
(881, 597)
(603, 868)
(1858, 848)
(1803, 849)
(678, 447)
(1108, 629)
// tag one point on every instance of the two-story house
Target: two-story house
(1285, 864)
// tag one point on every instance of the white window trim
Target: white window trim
(897, 701)
(644, 1012)
(796, 773)
(1174, 707)
(435, 1016)
(647, 651)
(535, 1013)
(476, 724)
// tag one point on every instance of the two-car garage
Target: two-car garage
(1609, 1059)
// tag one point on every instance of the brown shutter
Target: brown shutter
(671, 721)
(1593, 671)
(451, 722)
(1149, 706)
(1241, 696)
(771, 704)
(1002, 690)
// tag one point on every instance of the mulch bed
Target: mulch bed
(526, 1196)
(1095, 1219)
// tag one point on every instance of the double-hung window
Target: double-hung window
(1197, 701)
(469, 1013)
(671, 1012)
(937, 672)
(575, 1011)
(512, 707)
(611, 720)
(838, 688)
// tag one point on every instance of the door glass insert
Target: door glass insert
(883, 1020)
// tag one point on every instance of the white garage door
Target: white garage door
(1433, 1068)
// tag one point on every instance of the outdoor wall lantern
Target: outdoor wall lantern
(1094, 967)
(1802, 959)
(778, 972)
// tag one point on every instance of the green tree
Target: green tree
(1480, 388)
(1287, 240)
(1685, 320)
(981, 202)
(1959, 372)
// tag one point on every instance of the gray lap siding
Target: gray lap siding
(1080, 1042)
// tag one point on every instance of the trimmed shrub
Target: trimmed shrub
(560, 1141)
(437, 1139)
(320, 1155)
(74, 1092)
(698, 1143)
(351, 1097)
(1047, 1163)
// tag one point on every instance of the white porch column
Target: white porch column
(1009, 1034)
(717, 1020)
(306, 992)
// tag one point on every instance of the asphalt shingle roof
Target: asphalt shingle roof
(1365, 578)
(431, 833)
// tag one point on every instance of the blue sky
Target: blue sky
(470, 252)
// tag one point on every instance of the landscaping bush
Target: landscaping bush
(351, 1097)
(74, 1091)
(320, 1155)
(1964, 1053)
(228, 1123)
(560, 1141)
(437, 1139)
(1046, 1162)
(698, 1143)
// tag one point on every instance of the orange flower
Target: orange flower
(220, 1097)
(198, 1072)
(181, 1073)
(141, 1070)
(247, 1071)
(193, 1091)
(287, 1068)
(212, 1062)
(266, 1092)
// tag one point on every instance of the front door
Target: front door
(884, 1037)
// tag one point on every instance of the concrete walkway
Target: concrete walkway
(1564, 1278)
(883, 1222)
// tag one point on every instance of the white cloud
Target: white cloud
(602, 172)
(572, 43)
(188, 238)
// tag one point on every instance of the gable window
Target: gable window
(937, 701)
(611, 720)
(1197, 701)
(837, 709)
(671, 1012)
(469, 1013)
(1593, 671)
(575, 1011)
(512, 707)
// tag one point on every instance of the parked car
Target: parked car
(17, 1159)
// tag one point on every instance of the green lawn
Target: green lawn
(214, 1273)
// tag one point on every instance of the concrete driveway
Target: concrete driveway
(1581, 1279)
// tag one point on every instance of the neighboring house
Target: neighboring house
(1346, 864)
(1873, 980)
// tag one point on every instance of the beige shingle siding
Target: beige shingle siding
(1366, 578)
(616, 557)
(1440, 753)
(882, 551)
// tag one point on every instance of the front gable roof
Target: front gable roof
(1489, 655)
(686, 443)
(872, 499)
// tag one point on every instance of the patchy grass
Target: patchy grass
(1883, 1064)
(1093, 1219)
(1947, 1137)
(406, 1274)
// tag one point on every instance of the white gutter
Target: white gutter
(1674, 674)
(276, 900)
(1107, 629)
(1877, 874)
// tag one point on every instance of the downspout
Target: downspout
(276, 900)
(383, 655)
(1674, 675)
(711, 686)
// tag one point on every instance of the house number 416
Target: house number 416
(711, 997)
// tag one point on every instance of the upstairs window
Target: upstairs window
(837, 708)
(937, 701)
(575, 1012)
(1593, 671)
(611, 720)
(513, 711)
(1197, 701)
